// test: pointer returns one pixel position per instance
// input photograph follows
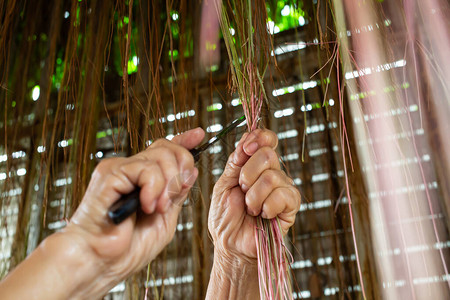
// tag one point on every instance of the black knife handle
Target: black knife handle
(129, 203)
(124, 207)
(196, 154)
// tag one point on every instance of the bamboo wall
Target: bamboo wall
(104, 95)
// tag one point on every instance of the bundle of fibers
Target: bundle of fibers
(249, 54)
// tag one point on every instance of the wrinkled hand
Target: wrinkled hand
(124, 249)
(252, 184)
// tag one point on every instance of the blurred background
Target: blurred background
(357, 92)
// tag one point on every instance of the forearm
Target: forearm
(57, 269)
(233, 279)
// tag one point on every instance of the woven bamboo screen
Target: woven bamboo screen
(87, 80)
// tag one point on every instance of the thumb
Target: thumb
(190, 138)
(236, 161)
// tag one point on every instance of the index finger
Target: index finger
(190, 138)
(246, 147)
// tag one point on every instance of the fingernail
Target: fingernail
(188, 177)
(244, 188)
(251, 148)
(264, 215)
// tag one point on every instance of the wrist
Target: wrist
(233, 277)
(80, 273)
(230, 262)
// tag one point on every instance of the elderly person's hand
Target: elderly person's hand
(91, 254)
(252, 184)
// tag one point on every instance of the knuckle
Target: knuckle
(274, 137)
(159, 143)
(269, 177)
(269, 137)
(280, 193)
(250, 199)
(164, 154)
(286, 178)
(105, 166)
(255, 135)
(292, 198)
(111, 181)
(186, 158)
(270, 213)
(257, 132)
(244, 178)
(269, 154)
